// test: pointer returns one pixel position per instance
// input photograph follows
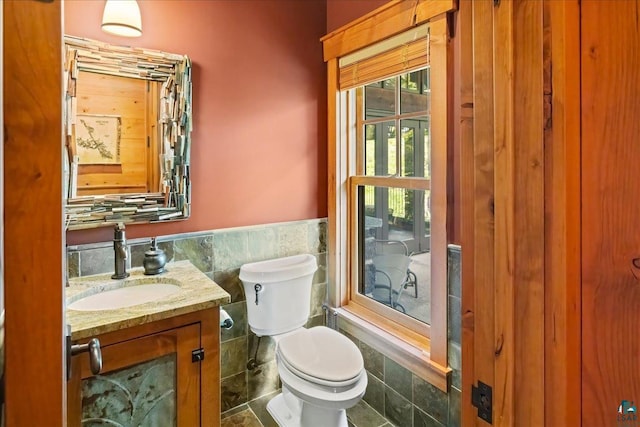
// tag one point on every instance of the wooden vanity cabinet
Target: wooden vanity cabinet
(151, 375)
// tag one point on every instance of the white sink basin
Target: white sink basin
(127, 296)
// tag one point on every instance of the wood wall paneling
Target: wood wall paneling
(463, 69)
(519, 214)
(528, 212)
(504, 256)
(522, 319)
(481, 244)
(33, 290)
(562, 207)
(610, 209)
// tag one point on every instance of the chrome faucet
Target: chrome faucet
(120, 250)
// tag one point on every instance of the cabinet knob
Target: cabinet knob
(95, 354)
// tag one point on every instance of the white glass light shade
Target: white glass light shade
(122, 18)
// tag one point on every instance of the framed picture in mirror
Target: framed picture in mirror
(97, 139)
(128, 122)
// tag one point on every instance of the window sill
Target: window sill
(402, 345)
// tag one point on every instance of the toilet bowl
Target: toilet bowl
(321, 370)
(322, 374)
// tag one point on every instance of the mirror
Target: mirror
(128, 134)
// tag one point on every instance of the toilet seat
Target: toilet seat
(319, 395)
(335, 385)
(322, 356)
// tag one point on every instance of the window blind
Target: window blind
(406, 52)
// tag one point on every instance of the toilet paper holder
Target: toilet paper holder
(226, 322)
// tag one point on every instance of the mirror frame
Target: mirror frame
(174, 124)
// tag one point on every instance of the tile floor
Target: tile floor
(255, 415)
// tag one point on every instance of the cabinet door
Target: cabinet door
(147, 381)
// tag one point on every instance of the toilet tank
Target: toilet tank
(278, 293)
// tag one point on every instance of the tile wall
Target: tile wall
(249, 377)
(406, 399)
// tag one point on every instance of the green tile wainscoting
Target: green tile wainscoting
(394, 396)
(219, 254)
(403, 398)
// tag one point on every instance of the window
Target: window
(389, 190)
(388, 183)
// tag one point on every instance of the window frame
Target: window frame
(424, 353)
(357, 177)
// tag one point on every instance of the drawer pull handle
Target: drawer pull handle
(95, 354)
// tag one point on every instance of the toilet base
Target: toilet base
(289, 411)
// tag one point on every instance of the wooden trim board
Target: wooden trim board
(33, 275)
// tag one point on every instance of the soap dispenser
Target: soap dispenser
(154, 259)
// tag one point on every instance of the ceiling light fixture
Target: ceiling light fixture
(122, 18)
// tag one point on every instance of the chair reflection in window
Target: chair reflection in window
(387, 272)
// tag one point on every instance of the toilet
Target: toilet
(321, 370)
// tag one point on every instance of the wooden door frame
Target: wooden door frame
(33, 226)
(520, 171)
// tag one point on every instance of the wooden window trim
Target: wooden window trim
(408, 349)
(388, 20)
(426, 357)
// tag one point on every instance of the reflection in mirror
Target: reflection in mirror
(128, 134)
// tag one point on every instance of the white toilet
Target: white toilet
(321, 370)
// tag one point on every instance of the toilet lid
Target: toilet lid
(322, 353)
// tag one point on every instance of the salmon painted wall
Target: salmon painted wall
(259, 142)
(341, 12)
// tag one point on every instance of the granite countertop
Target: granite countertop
(198, 292)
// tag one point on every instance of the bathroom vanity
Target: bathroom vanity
(161, 363)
